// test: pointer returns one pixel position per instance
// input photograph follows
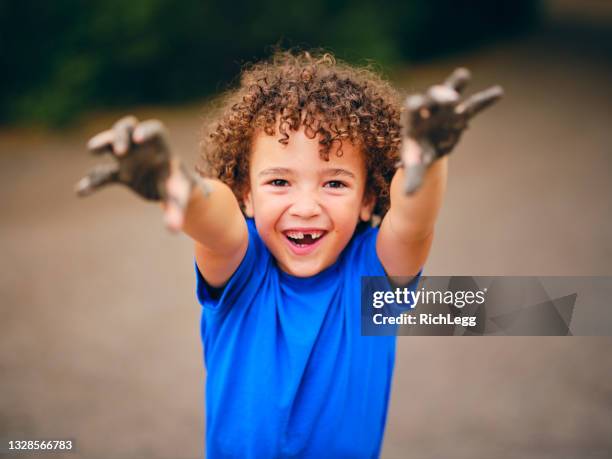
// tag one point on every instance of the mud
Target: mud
(99, 337)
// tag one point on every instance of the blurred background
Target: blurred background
(99, 325)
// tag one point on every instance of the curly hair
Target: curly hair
(331, 99)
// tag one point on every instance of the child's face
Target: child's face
(306, 209)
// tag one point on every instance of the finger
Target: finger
(101, 143)
(418, 106)
(149, 130)
(123, 134)
(459, 79)
(416, 157)
(174, 216)
(414, 178)
(177, 192)
(479, 101)
(100, 176)
(405, 118)
(411, 152)
(442, 95)
(414, 102)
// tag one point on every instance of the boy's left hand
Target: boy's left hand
(435, 121)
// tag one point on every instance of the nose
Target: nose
(305, 205)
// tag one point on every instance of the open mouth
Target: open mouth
(303, 239)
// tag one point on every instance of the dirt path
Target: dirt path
(99, 337)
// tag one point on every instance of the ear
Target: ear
(248, 204)
(367, 207)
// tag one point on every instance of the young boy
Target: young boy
(302, 158)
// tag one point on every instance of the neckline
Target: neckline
(320, 279)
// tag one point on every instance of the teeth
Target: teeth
(300, 235)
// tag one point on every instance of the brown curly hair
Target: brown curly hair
(331, 99)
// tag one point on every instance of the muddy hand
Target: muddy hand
(433, 122)
(142, 161)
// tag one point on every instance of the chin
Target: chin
(305, 272)
(302, 269)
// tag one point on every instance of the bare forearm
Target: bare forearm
(214, 219)
(432, 124)
(413, 216)
(205, 209)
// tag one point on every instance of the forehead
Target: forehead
(302, 151)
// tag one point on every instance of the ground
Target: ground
(99, 332)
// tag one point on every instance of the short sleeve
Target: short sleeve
(364, 263)
(408, 283)
(245, 280)
(361, 253)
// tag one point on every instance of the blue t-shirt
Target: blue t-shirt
(288, 372)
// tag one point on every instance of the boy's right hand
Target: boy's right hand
(144, 164)
(433, 122)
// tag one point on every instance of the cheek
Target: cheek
(345, 213)
(268, 207)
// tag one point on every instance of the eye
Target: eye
(335, 184)
(278, 182)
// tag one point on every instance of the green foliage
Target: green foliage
(62, 57)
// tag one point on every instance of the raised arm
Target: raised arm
(205, 209)
(432, 124)
(406, 232)
(216, 224)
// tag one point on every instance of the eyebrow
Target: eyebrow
(274, 171)
(337, 171)
(285, 171)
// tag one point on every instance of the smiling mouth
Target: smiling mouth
(304, 238)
